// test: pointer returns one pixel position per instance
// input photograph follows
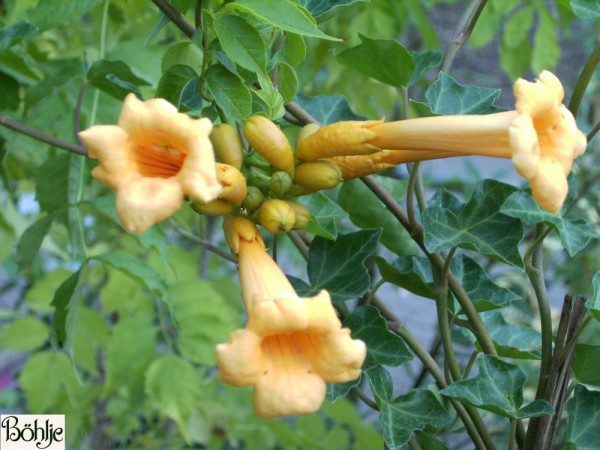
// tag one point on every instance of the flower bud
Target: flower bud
(233, 182)
(277, 216)
(305, 132)
(254, 198)
(227, 145)
(302, 215)
(316, 175)
(240, 227)
(215, 208)
(270, 142)
(281, 183)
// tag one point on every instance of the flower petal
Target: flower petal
(525, 146)
(141, 202)
(549, 186)
(341, 357)
(284, 314)
(240, 361)
(322, 318)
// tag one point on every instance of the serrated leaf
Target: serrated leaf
(288, 81)
(318, 8)
(546, 49)
(52, 183)
(137, 270)
(24, 334)
(498, 388)
(593, 304)
(447, 96)
(575, 233)
(516, 29)
(90, 335)
(384, 60)
(338, 266)
(383, 346)
(366, 211)
(62, 74)
(586, 9)
(283, 14)
(324, 213)
(243, 44)
(583, 420)
(489, 22)
(173, 83)
(479, 226)
(115, 78)
(512, 341)
(423, 62)
(65, 305)
(338, 390)
(31, 240)
(46, 15)
(179, 400)
(515, 60)
(187, 53)
(12, 34)
(586, 364)
(230, 92)
(328, 108)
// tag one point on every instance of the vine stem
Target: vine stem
(207, 245)
(584, 79)
(187, 28)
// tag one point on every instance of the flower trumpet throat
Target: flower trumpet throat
(152, 158)
(291, 347)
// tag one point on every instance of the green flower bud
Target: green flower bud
(317, 175)
(227, 145)
(302, 215)
(215, 208)
(254, 198)
(281, 183)
(277, 216)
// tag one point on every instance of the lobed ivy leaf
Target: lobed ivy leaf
(115, 78)
(173, 83)
(339, 390)
(321, 9)
(366, 211)
(230, 92)
(328, 108)
(423, 62)
(324, 214)
(480, 225)
(575, 233)
(586, 9)
(284, 14)
(593, 304)
(338, 266)
(383, 346)
(498, 388)
(384, 60)
(448, 96)
(12, 34)
(583, 420)
(586, 364)
(513, 341)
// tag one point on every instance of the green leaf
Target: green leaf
(490, 21)
(31, 240)
(584, 420)
(174, 82)
(515, 48)
(288, 81)
(65, 304)
(423, 62)
(498, 388)
(366, 211)
(187, 53)
(575, 233)
(19, 66)
(586, 364)
(24, 334)
(9, 92)
(62, 75)
(283, 14)
(430, 442)
(90, 335)
(52, 183)
(46, 15)
(328, 108)
(230, 92)
(324, 213)
(384, 60)
(383, 346)
(338, 266)
(586, 9)
(295, 49)
(381, 383)
(115, 78)
(413, 273)
(479, 225)
(176, 400)
(546, 49)
(318, 8)
(12, 34)
(243, 44)
(517, 27)
(447, 96)
(338, 390)
(137, 270)
(513, 341)
(594, 303)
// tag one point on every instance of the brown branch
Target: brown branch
(175, 17)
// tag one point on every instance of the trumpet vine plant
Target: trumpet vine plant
(262, 224)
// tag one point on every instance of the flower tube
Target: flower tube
(152, 158)
(540, 136)
(291, 347)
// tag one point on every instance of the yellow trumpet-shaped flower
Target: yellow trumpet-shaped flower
(540, 136)
(291, 347)
(152, 158)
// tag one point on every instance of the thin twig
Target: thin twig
(207, 245)
(584, 79)
(300, 113)
(365, 398)
(593, 133)
(175, 17)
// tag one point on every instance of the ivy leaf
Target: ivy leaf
(584, 420)
(324, 213)
(173, 83)
(448, 96)
(328, 108)
(366, 211)
(479, 225)
(513, 341)
(586, 9)
(423, 62)
(179, 400)
(65, 304)
(320, 8)
(31, 240)
(575, 233)
(137, 270)
(12, 34)
(384, 60)
(339, 390)
(283, 14)
(383, 346)
(243, 44)
(381, 383)
(115, 78)
(594, 303)
(586, 367)
(498, 388)
(338, 266)
(230, 92)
